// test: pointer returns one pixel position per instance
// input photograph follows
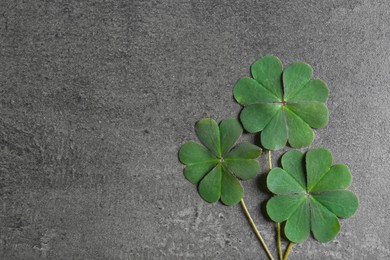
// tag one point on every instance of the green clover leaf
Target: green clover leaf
(284, 105)
(214, 166)
(311, 195)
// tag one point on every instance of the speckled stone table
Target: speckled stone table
(96, 97)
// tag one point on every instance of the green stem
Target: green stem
(288, 250)
(269, 160)
(277, 224)
(279, 243)
(255, 229)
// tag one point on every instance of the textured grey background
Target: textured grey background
(97, 97)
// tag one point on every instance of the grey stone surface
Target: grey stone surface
(96, 97)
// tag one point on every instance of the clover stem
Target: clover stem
(277, 224)
(279, 242)
(288, 250)
(269, 160)
(255, 229)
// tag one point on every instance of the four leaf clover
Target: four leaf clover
(214, 166)
(311, 195)
(283, 105)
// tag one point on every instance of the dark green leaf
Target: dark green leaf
(207, 131)
(297, 227)
(324, 224)
(255, 117)
(232, 191)
(274, 135)
(318, 162)
(295, 77)
(342, 203)
(300, 133)
(230, 130)
(280, 208)
(314, 90)
(282, 183)
(293, 164)
(244, 169)
(248, 91)
(210, 185)
(314, 114)
(337, 178)
(195, 172)
(192, 152)
(244, 151)
(268, 71)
